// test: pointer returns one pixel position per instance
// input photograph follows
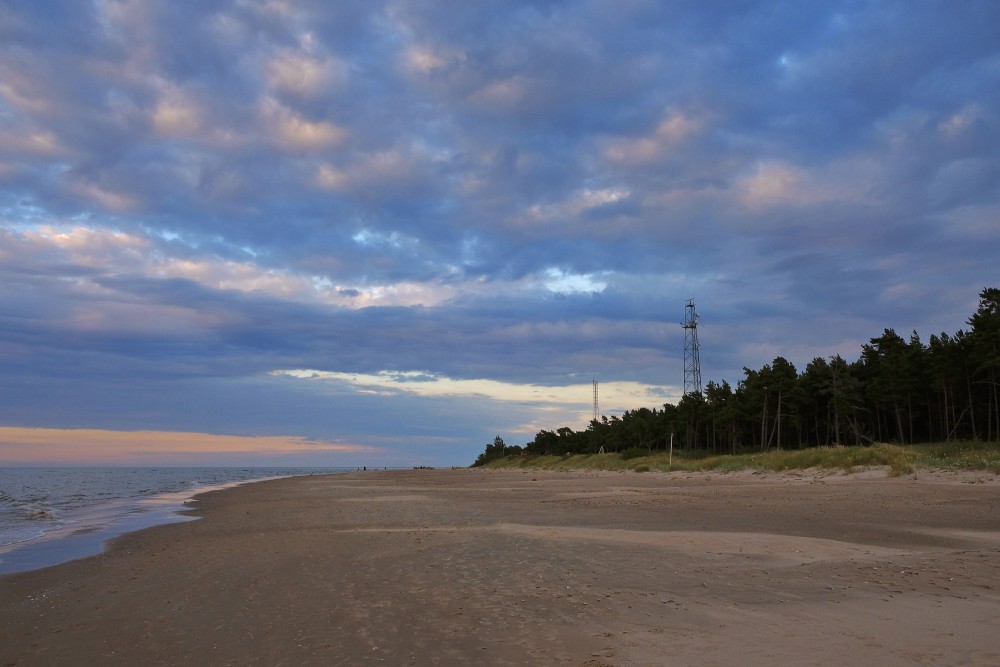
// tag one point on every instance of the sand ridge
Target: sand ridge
(459, 567)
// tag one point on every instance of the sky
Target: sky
(272, 232)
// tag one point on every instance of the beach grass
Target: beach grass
(898, 459)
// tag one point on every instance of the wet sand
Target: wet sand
(459, 567)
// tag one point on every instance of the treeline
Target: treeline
(898, 391)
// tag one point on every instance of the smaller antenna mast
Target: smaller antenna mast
(597, 412)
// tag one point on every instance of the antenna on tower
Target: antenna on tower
(597, 412)
(692, 362)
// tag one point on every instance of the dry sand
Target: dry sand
(460, 567)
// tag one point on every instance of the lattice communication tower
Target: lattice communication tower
(692, 361)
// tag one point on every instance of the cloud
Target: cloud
(675, 128)
(627, 395)
(295, 132)
(303, 75)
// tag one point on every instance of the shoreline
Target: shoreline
(88, 531)
(473, 566)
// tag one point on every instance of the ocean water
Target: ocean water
(52, 515)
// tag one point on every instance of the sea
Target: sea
(52, 515)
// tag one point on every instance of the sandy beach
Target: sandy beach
(459, 567)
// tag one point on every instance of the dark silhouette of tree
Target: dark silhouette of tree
(984, 339)
(720, 403)
(886, 367)
(498, 449)
(779, 378)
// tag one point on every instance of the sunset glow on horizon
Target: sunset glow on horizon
(42, 446)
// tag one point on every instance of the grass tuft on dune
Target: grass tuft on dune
(898, 459)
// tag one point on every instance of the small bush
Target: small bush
(634, 453)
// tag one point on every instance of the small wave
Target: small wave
(36, 513)
(13, 535)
